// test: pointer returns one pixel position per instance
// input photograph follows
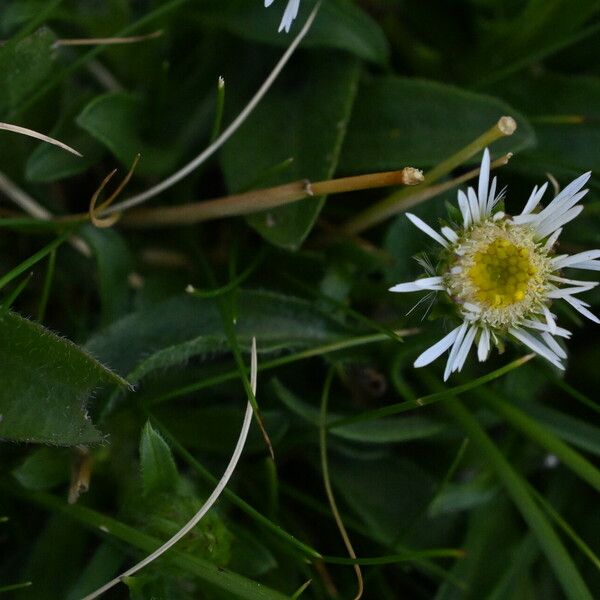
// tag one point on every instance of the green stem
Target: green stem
(571, 581)
(47, 285)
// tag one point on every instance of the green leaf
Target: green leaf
(304, 118)
(46, 383)
(159, 472)
(340, 24)
(172, 332)
(400, 122)
(117, 121)
(24, 66)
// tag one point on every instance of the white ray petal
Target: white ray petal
(484, 180)
(550, 225)
(551, 212)
(437, 349)
(588, 284)
(564, 292)
(549, 319)
(474, 204)
(427, 229)
(541, 326)
(569, 191)
(534, 199)
(464, 348)
(537, 345)
(554, 345)
(492, 197)
(455, 348)
(430, 283)
(589, 265)
(580, 307)
(291, 12)
(406, 287)
(463, 204)
(552, 239)
(565, 260)
(450, 234)
(483, 346)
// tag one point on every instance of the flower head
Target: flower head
(502, 273)
(290, 13)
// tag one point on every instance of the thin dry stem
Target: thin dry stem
(259, 200)
(328, 487)
(109, 41)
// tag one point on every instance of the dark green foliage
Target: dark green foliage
(498, 487)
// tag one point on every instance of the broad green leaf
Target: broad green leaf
(303, 118)
(400, 122)
(340, 24)
(159, 473)
(24, 66)
(46, 384)
(117, 121)
(173, 331)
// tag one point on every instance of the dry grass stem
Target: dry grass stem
(259, 200)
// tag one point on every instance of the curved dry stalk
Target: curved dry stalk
(329, 488)
(233, 127)
(38, 136)
(211, 499)
(109, 221)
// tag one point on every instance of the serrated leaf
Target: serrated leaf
(173, 331)
(46, 384)
(340, 24)
(400, 122)
(159, 472)
(301, 118)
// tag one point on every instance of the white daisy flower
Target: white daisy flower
(290, 13)
(502, 273)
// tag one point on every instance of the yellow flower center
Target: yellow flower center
(500, 273)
